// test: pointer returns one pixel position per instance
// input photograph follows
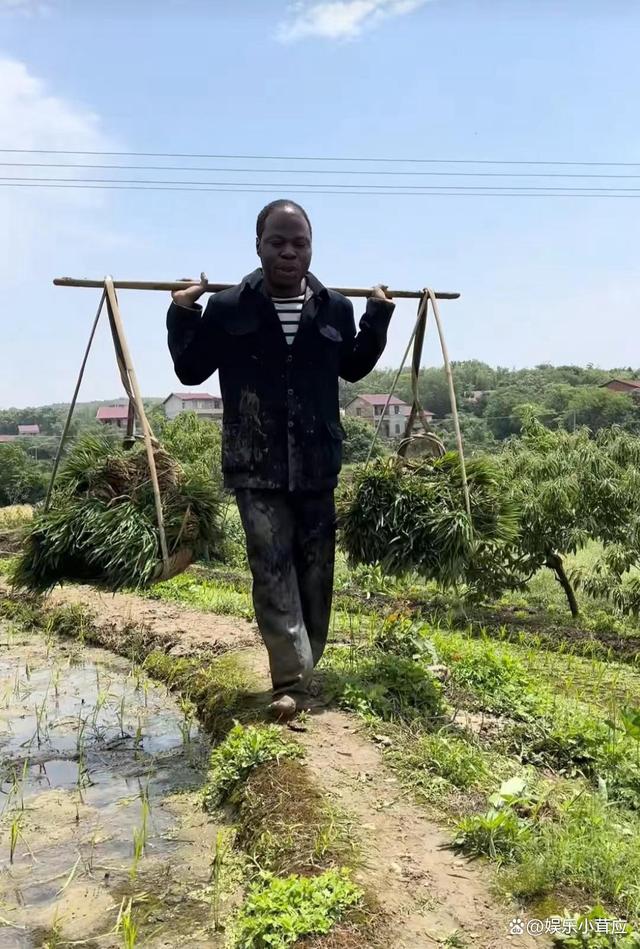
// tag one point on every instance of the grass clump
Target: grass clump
(378, 684)
(243, 749)
(278, 911)
(102, 522)
(434, 763)
(285, 823)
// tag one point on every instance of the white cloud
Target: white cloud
(341, 19)
(45, 232)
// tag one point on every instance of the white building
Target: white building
(203, 404)
(370, 408)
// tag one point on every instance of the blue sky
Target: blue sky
(542, 279)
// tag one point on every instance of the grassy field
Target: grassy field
(524, 741)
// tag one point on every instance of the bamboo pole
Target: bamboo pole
(72, 406)
(216, 287)
(114, 313)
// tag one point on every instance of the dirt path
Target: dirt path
(426, 891)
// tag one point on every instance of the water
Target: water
(92, 753)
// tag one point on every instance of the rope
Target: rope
(417, 340)
(421, 318)
(67, 424)
(454, 406)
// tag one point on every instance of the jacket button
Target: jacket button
(290, 424)
(290, 391)
(289, 358)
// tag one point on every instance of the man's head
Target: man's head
(283, 243)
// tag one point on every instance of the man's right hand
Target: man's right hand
(192, 294)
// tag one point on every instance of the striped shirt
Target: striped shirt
(289, 310)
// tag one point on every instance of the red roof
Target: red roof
(632, 383)
(190, 396)
(28, 429)
(112, 412)
(381, 399)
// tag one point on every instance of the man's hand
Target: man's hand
(190, 295)
(380, 292)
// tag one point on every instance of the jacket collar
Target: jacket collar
(254, 281)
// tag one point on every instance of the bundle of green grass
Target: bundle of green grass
(101, 525)
(411, 516)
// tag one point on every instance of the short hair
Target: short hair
(278, 205)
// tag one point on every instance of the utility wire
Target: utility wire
(391, 188)
(601, 193)
(319, 171)
(367, 159)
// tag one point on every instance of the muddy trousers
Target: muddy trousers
(291, 549)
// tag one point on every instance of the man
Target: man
(280, 341)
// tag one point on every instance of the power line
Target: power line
(390, 188)
(304, 190)
(317, 171)
(367, 159)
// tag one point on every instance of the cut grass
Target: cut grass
(243, 749)
(286, 824)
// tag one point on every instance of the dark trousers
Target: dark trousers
(291, 550)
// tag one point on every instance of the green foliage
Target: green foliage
(383, 685)
(448, 758)
(22, 480)
(102, 522)
(585, 934)
(243, 749)
(405, 637)
(357, 441)
(498, 834)
(571, 489)
(279, 911)
(195, 443)
(411, 516)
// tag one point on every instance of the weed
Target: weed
(374, 683)
(430, 760)
(278, 911)
(498, 834)
(244, 748)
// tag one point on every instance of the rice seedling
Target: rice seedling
(102, 522)
(215, 877)
(120, 713)
(41, 721)
(15, 833)
(126, 926)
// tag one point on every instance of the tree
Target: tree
(22, 480)
(570, 489)
(195, 442)
(358, 438)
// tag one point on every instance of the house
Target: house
(28, 429)
(628, 386)
(115, 416)
(7, 438)
(371, 407)
(202, 403)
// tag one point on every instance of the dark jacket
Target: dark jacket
(281, 425)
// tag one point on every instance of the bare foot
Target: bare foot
(283, 708)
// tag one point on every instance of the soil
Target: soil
(426, 891)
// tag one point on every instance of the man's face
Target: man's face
(285, 251)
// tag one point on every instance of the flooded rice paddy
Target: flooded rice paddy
(99, 803)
